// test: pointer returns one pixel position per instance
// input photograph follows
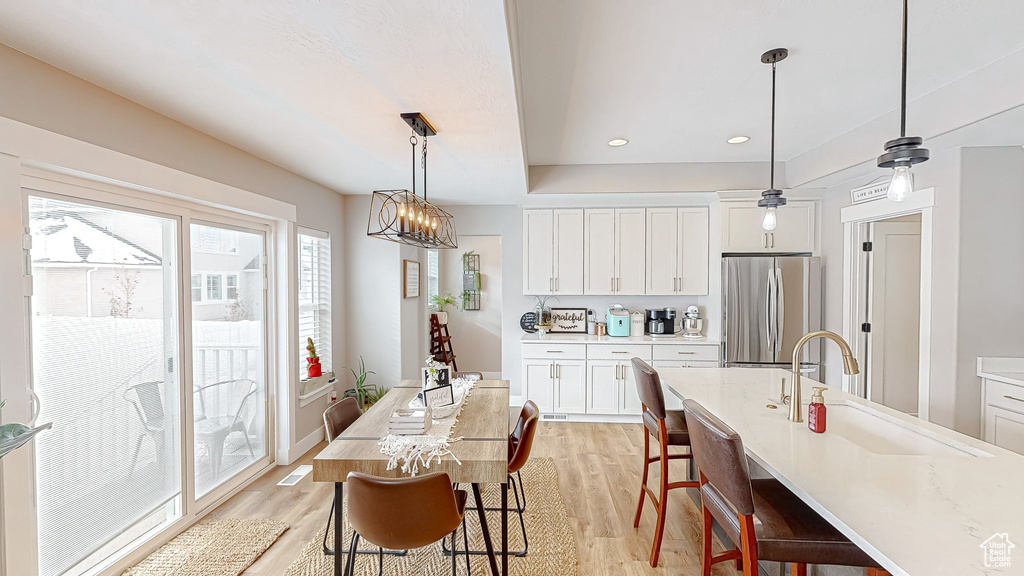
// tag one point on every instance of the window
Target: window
(197, 287)
(432, 275)
(315, 295)
(215, 240)
(214, 287)
(232, 284)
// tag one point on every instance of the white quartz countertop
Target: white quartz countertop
(1015, 378)
(915, 514)
(1007, 370)
(589, 339)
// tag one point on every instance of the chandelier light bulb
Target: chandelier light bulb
(902, 184)
(770, 220)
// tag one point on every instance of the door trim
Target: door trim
(855, 281)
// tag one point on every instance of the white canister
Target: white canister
(636, 324)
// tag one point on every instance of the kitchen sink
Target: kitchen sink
(884, 434)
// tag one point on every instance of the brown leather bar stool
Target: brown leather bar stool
(765, 519)
(338, 417)
(402, 513)
(520, 443)
(669, 427)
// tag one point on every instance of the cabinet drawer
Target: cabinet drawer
(1005, 396)
(621, 352)
(685, 352)
(565, 351)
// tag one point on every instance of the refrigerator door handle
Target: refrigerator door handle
(769, 313)
(780, 308)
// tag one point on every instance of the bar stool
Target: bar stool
(669, 427)
(338, 417)
(403, 513)
(766, 520)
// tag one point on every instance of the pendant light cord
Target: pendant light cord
(773, 128)
(903, 88)
(412, 140)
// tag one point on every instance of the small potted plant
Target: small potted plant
(362, 392)
(313, 369)
(15, 435)
(439, 304)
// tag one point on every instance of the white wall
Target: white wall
(48, 98)
(476, 334)
(991, 276)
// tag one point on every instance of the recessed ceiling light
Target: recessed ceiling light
(738, 139)
(618, 142)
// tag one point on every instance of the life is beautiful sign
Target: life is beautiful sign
(869, 192)
(569, 320)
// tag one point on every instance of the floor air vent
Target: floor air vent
(555, 417)
(296, 475)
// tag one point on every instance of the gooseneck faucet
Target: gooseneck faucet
(849, 367)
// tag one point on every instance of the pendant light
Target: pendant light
(771, 199)
(402, 216)
(905, 151)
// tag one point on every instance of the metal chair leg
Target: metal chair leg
(328, 551)
(455, 556)
(465, 544)
(350, 565)
(522, 487)
(522, 523)
(380, 561)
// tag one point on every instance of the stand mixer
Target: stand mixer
(692, 323)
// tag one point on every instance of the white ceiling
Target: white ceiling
(316, 86)
(678, 78)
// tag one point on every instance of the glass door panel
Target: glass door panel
(228, 352)
(105, 337)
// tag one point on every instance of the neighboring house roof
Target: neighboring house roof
(66, 237)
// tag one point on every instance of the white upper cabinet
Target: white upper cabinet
(677, 251)
(599, 251)
(568, 250)
(742, 232)
(613, 241)
(553, 251)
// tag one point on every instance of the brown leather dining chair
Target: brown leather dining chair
(669, 428)
(762, 517)
(402, 513)
(338, 416)
(520, 443)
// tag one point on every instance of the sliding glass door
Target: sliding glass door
(228, 355)
(105, 340)
(148, 355)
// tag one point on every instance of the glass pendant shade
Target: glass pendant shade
(901, 185)
(770, 221)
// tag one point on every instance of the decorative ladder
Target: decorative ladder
(441, 343)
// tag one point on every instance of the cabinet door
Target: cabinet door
(630, 247)
(1004, 428)
(795, 229)
(603, 387)
(662, 251)
(598, 252)
(693, 251)
(538, 383)
(568, 251)
(570, 391)
(629, 398)
(741, 228)
(672, 402)
(538, 238)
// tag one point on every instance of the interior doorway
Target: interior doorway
(476, 284)
(892, 313)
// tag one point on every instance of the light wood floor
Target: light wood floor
(599, 468)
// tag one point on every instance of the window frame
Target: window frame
(321, 293)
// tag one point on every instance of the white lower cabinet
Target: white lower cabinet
(559, 380)
(1003, 415)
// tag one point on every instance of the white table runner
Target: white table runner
(415, 450)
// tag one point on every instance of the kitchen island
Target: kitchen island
(919, 498)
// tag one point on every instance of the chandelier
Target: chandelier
(403, 216)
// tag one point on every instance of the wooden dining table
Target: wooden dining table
(483, 453)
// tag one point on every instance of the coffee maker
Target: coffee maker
(661, 322)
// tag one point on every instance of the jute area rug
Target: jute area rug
(552, 545)
(223, 547)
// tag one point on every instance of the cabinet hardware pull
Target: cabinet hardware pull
(612, 281)
(618, 285)
(556, 351)
(772, 236)
(558, 371)
(617, 368)
(685, 352)
(764, 239)
(620, 352)
(551, 371)
(1012, 398)
(551, 284)
(556, 284)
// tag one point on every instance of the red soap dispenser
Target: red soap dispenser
(816, 411)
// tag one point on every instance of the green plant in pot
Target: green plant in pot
(362, 391)
(440, 303)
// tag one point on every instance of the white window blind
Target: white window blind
(315, 296)
(432, 274)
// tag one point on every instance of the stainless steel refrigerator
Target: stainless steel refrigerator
(768, 303)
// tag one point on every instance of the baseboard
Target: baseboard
(303, 446)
